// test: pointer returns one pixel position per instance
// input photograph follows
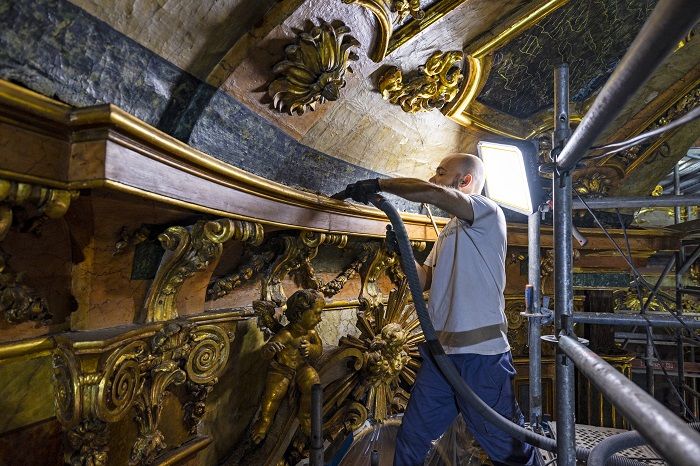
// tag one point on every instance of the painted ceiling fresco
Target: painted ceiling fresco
(590, 35)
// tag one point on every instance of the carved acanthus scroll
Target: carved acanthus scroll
(314, 68)
(194, 249)
(97, 386)
(436, 84)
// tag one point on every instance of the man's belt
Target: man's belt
(473, 336)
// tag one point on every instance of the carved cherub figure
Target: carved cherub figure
(293, 351)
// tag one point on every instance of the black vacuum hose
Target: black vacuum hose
(444, 363)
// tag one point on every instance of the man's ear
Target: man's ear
(466, 180)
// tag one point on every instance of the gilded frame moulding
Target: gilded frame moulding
(100, 382)
(193, 250)
(478, 62)
(436, 84)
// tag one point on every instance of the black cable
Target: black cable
(622, 145)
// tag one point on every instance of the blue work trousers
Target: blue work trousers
(434, 405)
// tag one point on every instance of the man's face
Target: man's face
(447, 174)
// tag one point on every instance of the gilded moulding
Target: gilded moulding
(649, 152)
(100, 382)
(435, 85)
(314, 69)
(408, 31)
(193, 250)
(478, 61)
(380, 10)
(403, 8)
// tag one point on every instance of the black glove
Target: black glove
(392, 242)
(361, 190)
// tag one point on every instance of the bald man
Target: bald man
(465, 272)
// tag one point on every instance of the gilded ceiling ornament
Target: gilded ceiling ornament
(314, 69)
(657, 191)
(104, 382)
(403, 8)
(594, 185)
(194, 249)
(436, 84)
(655, 148)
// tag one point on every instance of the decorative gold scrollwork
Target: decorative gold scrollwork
(436, 84)
(194, 249)
(594, 185)
(297, 253)
(102, 385)
(66, 387)
(403, 8)
(121, 382)
(209, 354)
(18, 302)
(52, 203)
(224, 285)
(314, 69)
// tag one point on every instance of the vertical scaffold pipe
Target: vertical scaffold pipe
(533, 277)
(563, 251)
(316, 450)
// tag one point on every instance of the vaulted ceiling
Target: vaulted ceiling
(510, 48)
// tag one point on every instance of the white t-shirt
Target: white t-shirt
(466, 302)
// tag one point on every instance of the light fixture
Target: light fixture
(511, 180)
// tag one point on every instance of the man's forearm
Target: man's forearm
(412, 189)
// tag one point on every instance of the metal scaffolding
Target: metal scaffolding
(667, 433)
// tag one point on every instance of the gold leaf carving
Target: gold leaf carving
(594, 185)
(314, 69)
(131, 374)
(436, 83)
(297, 253)
(18, 302)
(194, 249)
(403, 8)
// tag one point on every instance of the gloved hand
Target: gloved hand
(392, 242)
(361, 190)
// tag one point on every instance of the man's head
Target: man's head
(464, 172)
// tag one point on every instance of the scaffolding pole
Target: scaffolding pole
(667, 433)
(667, 25)
(605, 318)
(534, 324)
(636, 202)
(563, 276)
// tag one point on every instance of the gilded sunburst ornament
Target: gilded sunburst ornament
(389, 338)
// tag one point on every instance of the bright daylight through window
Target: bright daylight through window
(506, 176)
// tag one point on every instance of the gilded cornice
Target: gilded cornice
(112, 124)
